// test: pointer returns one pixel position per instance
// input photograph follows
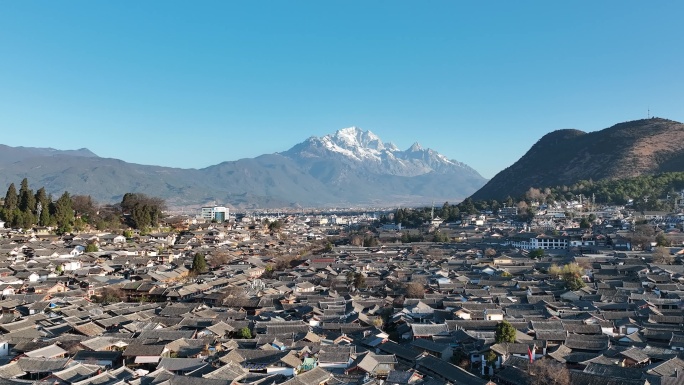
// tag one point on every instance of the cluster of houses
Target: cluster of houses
(284, 308)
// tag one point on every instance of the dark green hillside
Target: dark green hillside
(565, 157)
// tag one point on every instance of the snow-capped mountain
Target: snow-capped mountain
(351, 167)
(363, 149)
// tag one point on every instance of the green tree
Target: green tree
(128, 202)
(661, 240)
(370, 241)
(574, 283)
(91, 248)
(275, 226)
(42, 207)
(536, 253)
(350, 278)
(63, 213)
(79, 224)
(468, 206)
(199, 264)
(399, 216)
(585, 224)
(454, 213)
(245, 333)
(27, 202)
(11, 199)
(572, 275)
(17, 218)
(141, 215)
(142, 211)
(505, 332)
(24, 220)
(359, 280)
(446, 211)
(440, 237)
(491, 358)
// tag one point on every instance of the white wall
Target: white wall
(4, 348)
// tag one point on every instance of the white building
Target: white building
(4, 348)
(217, 213)
(540, 242)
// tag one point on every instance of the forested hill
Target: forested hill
(565, 157)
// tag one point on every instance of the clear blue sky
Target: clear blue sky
(190, 84)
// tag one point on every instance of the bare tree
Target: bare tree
(534, 194)
(662, 255)
(219, 258)
(548, 372)
(83, 205)
(415, 290)
(642, 236)
(356, 240)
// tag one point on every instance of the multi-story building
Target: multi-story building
(538, 242)
(217, 213)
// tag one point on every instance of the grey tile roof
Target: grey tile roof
(442, 369)
(180, 364)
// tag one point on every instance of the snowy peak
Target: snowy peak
(389, 146)
(359, 149)
(353, 143)
(353, 138)
(415, 147)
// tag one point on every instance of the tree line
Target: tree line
(416, 217)
(25, 209)
(647, 192)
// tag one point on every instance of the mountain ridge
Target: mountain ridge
(563, 157)
(351, 167)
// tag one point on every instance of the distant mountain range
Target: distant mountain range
(564, 157)
(351, 167)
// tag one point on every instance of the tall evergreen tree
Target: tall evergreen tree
(44, 218)
(52, 210)
(17, 219)
(141, 216)
(42, 208)
(11, 198)
(199, 264)
(505, 332)
(64, 214)
(27, 202)
(25, 220)
(446, 211)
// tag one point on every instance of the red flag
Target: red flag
(529, 354)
